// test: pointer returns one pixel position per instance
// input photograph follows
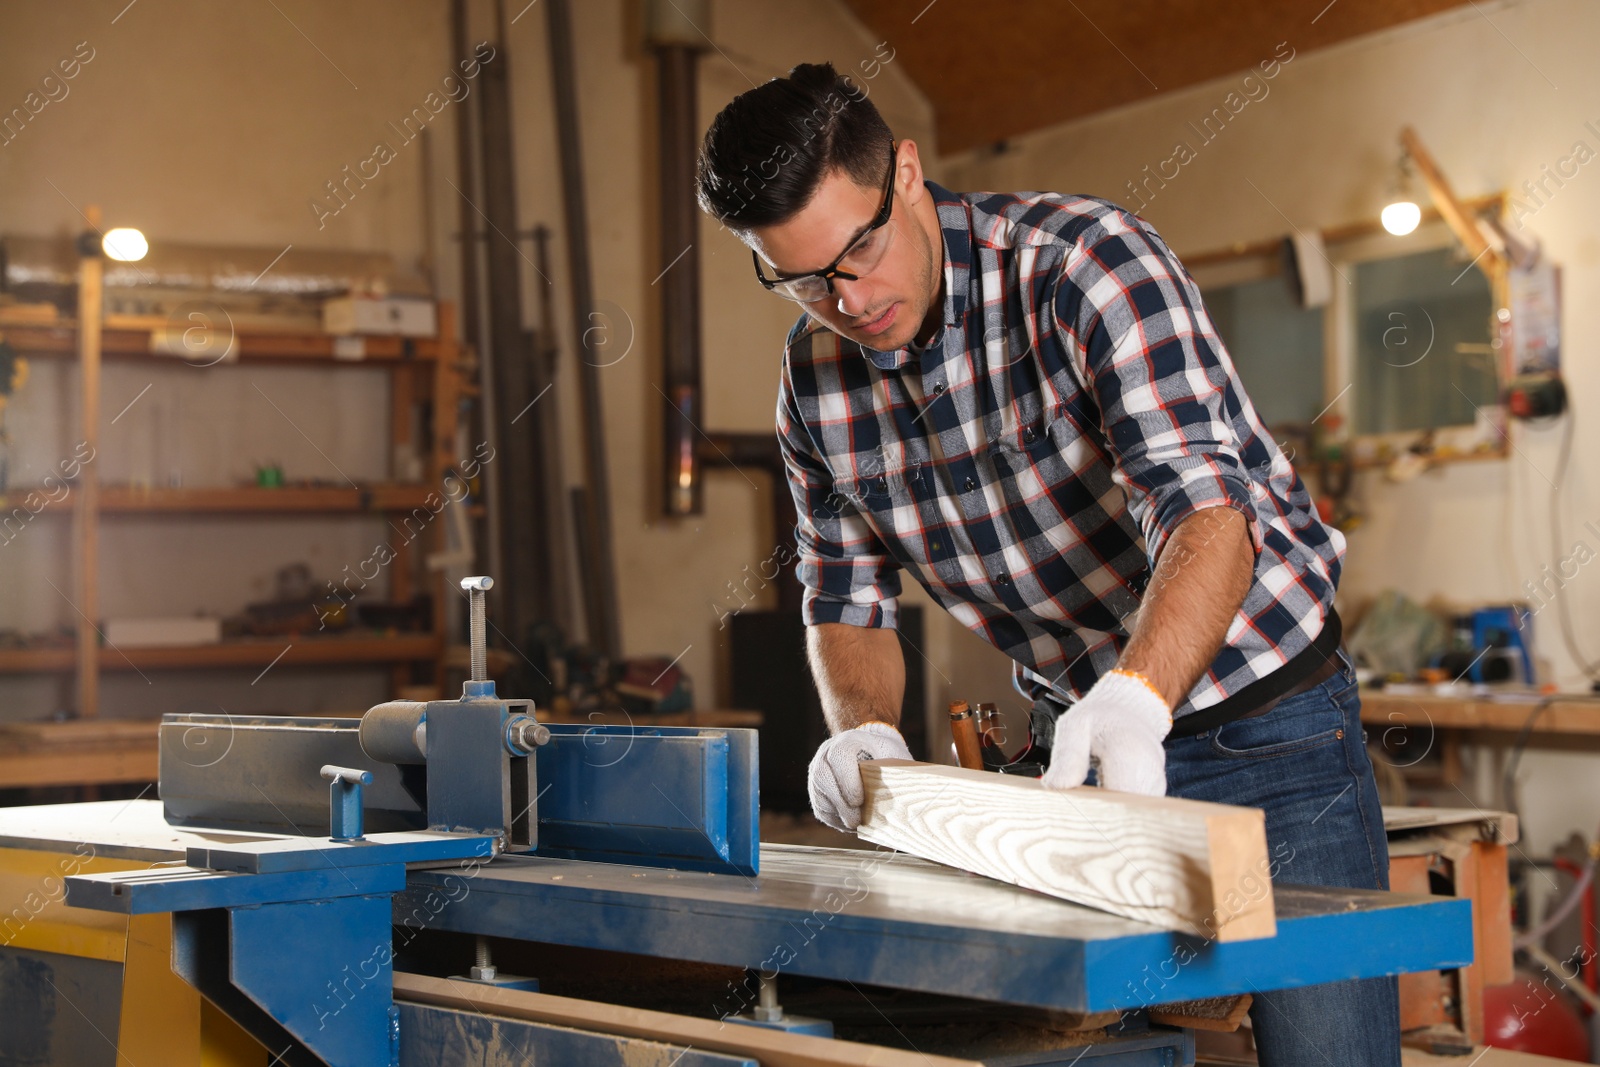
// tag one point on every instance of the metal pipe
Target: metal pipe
(472, 310)
(530, 500)
(679, 281)
(604, 627)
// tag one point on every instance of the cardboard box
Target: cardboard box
(399, 316)
(163, 633)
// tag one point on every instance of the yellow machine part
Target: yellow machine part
(163, 1019)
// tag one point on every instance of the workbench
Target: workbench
(1411, 727)
(1564, 716)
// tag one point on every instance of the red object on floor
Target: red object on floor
(1591, 973)
(1531, 1014)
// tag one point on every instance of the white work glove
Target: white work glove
(1122, 721)
(834, 778)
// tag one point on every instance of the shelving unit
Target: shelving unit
(422, 371)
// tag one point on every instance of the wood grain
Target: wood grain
(1184, 865)
(773, 1048)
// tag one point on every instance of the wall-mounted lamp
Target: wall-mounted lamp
(124, 244)
(1402, 214)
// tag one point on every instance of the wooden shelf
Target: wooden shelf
(256, 652)
(62, 341)
(388, 496)
(424, 375)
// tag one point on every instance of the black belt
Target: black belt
(1309, 668)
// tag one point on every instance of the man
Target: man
(1021, 400)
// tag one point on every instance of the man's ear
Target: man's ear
(908, 180)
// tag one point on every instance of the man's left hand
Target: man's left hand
(1122, 721)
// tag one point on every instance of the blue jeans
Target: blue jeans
(1305, 764)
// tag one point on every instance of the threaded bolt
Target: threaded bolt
(475, 588)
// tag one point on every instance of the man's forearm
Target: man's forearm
(1199, 583)
(860, 673)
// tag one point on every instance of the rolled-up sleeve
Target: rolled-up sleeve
(847, 574)
(1160, 376)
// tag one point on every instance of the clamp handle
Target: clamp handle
(344, 801)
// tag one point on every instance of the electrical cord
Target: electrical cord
(1558, 916)
(1590, 668)
(1508, 792)
(1508, 796)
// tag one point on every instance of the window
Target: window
(1422, 356)
(1276, 347)
(1405, 345)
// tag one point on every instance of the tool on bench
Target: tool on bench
(991, 737)
(964, 736)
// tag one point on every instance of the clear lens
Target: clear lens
(862, 259)
(865, 255)
(805, 290)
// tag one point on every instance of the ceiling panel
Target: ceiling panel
(994, 70)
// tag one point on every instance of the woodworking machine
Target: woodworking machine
(352, 892)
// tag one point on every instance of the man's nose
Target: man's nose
(854, 297)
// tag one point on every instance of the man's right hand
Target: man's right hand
(835, 776)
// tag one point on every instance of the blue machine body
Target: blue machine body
(638, 839)
(660, 796)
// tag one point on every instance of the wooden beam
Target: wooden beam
(1180, 864)
(773, 1048)
(86, 509)
(1455, 213)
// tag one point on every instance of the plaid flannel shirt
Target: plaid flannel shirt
(1028, 465)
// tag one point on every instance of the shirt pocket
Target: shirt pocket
(1061, 507)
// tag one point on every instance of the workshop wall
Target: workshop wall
(1495, 91)
(220, 124)
(678, 578)
(215, 124)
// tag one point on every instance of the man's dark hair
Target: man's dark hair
(767, 152)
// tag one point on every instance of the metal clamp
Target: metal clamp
(344, 800)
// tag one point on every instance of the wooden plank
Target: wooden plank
(1180, 864)
(1422, 994)
(1422, 828)
(1491, 912)
(1222, 1015)
(1426, 712)
(1455, 213)
(772, 1047)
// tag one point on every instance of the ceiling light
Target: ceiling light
(1401, 217)
(1402, 214)
(125, 244)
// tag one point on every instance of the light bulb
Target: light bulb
(124, 244)
(1401, 217)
